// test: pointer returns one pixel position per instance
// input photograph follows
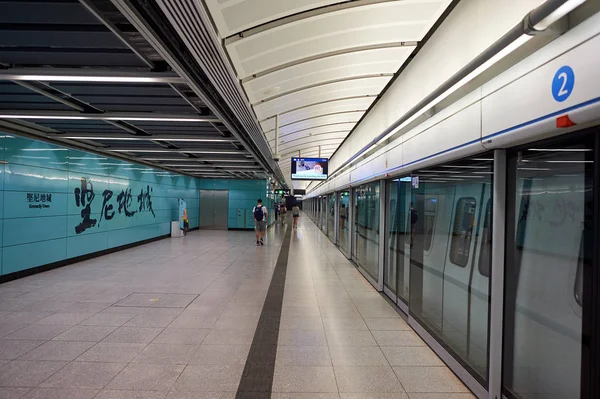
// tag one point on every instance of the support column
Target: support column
(497, 275)
(382, 229)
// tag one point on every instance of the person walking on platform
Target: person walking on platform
(295, 214)
(282, 212)
(260, 222)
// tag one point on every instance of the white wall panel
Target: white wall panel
(531, 95)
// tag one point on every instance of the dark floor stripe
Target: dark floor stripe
(257, 379)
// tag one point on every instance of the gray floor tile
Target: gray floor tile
(387, 324)
(209, 378)
(347, 323)
(411, 356)
(236, 323)
(20, 373)
(166, 354)
(84, 375)
(444, 395)
(340, 312)
(7, 328)
(201, 395)
(357, 356)
(304, 379)
(311, 395)
(149, 377)
(303, 356)
(300, 311)
(150, 319)
(58, 350)
(220, 354)
(65, 319)
(429, 379)
(301, 323)
(364, 395)
(11, 349)
(186, 336)
(56, 393)
(302, 338)
(367, 379)
(229, 337)
(350, 338)
(111, 352)
(108, 319)
(26, 317)
(122, 394)
(174, 300)
(85, 333)
(133, 335)
(139, 300)
(187, 320)
(37, 332)
(13, 393)
(398, 338)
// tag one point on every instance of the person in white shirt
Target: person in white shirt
(260, 215)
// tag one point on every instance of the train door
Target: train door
(460, 297)
(398, 241)
(550, 266)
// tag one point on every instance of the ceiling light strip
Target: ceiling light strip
(107, 116)
(87, 76)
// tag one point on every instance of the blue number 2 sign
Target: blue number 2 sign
(563, 83)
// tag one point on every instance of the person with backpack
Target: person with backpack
(295, 214)
(260, 222)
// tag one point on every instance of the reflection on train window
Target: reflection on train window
(462, 231)
(549, 226)
(485, 254)
(430, 212)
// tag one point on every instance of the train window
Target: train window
(462, 231)
(485, 253)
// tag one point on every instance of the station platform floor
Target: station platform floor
(212, 315)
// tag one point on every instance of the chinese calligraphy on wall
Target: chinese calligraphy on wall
(85, 195)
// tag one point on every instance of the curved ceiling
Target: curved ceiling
(318, 64)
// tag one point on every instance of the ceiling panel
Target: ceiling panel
(233, 16)
(324, 120)
(323, 70)
(375, 24)
(328, 92)
(327, 108)
(318, 68)
(341, 128)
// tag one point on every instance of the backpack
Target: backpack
(258, 213)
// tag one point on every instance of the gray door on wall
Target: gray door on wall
(214, 205)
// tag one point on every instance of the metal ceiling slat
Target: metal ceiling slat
(199, 39)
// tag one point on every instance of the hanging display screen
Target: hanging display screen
(309, 168)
